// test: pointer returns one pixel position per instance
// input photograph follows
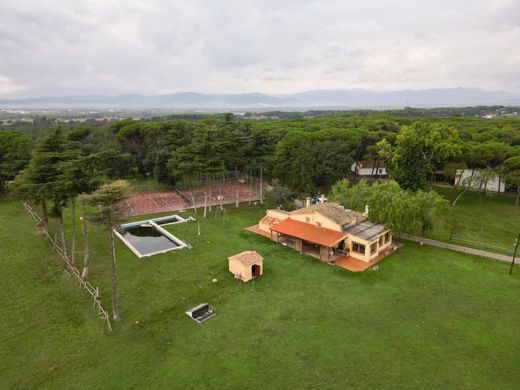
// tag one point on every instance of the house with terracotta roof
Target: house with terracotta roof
(328, 231)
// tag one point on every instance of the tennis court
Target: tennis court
(157, 202)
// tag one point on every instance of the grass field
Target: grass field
(490, 222)
(429, 318)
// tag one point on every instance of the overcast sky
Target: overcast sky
(58, 47)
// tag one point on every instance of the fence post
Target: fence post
(73, 271)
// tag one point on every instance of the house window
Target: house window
(381, 240)
(373, 248)
(387, 237)
(380, 170)
(358, 248)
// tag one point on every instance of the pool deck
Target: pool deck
(356, 265)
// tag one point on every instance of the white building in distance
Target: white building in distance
(479, 180)
(369, 169)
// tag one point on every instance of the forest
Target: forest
(306, 155)
(51, 166)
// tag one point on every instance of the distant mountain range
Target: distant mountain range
(352, 98)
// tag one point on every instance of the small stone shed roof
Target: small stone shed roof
(247, 258)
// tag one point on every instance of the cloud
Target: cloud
(8, 87)
(55, 47)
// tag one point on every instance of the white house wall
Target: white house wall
(494, 184)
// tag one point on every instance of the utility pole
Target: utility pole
(514, 255)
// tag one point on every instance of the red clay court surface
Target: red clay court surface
(158, 202)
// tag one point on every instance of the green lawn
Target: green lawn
(490, 222)
(429, 318)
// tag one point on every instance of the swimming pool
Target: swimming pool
(169, 220)
(146, 238)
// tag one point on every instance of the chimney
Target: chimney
(307, 202)
(366, 211)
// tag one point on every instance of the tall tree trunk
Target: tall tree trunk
(73, 231)
(517, 201)
(206, 199)
(86, 247)
(64, 244)
(210, 200)
(192, 195)
(470, 181)
(459, 178)
(261, 186)
(238, 200)
(115, 293)
(250, 187)
(56, 230)
(221, 198)
(45, 216)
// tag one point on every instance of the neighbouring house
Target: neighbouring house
(246, 265)
(328, 231)
(376, 169)
(478, 179)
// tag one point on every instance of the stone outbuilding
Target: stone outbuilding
(246, 265)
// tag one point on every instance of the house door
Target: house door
(255, 270)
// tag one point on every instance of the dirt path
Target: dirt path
(458, 248)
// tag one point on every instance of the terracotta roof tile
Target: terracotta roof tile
(308, 232)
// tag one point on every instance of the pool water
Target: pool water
(147, 240)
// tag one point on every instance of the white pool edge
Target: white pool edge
(181, 244)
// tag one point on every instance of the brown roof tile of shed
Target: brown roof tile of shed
(247, 257)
